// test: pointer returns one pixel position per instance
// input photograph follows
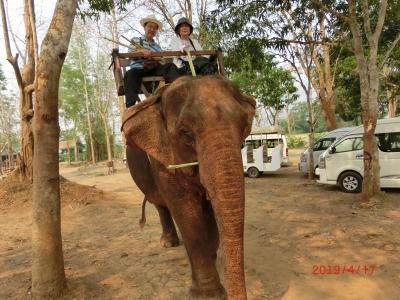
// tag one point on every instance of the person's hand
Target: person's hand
(184, 48)
(146, 53)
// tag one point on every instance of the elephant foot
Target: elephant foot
(168, 241)
(217, 293)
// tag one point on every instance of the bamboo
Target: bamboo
(187, 50)
(170, 167)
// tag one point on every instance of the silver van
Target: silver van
(343, 162)
(320, 146)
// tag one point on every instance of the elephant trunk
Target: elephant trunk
(221, 173)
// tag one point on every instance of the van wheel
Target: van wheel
(253, 172)
(350, 182)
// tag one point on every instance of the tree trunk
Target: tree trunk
(120, 100)
(324, 85)
(48, 277)
(392, 104)
(328, 107)
(83, 71)
(24, 79)
(10, 152)
(75, 150)
(68, 153)
(369, 85)
(26, 108)
(289, 122)
(311, 139)
(369, 103)
(107, 136)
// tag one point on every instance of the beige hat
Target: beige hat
(152, 19)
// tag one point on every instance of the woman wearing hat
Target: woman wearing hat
(146, 66)
(202, 64)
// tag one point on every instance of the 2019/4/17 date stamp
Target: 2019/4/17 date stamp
(361, 269)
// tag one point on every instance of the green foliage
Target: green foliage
(276, 24)
(73, 110)
(257, 74)
(93, 8)
(295, 141)
(299, 117)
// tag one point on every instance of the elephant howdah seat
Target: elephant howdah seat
(121, 62)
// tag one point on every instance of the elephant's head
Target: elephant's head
(203, 119)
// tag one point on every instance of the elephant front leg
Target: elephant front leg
(200, 235)
(169, 237)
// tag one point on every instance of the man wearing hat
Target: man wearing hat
(202, 64)
(146, 66)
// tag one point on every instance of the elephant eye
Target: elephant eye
(186, 136)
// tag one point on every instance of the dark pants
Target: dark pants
(202, 66)
(133, 80)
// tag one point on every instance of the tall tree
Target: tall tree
(84, 62)
(8, 120)
(48, 277)
(103, 96)
(71, 104)
(25, 79)
(366, 21)
(280, 25)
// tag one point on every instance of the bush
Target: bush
(295, 141)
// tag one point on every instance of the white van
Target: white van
(261, 152)
(320, 146)
(342, 163)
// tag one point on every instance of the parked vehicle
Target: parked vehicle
(342, 163)
(320, 146)
(262, 152)
(275, 139)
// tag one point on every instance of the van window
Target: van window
(254, 144)
(272, 143)
(323, 144)
(389, 142)
(350, 144)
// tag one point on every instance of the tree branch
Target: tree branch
(29, 88)
(335, 66)
(381, 20)
(330, 10)
(5, 30)
(12, 60)
(14, 37)
(389, 51)
(366, 19)
(34, 34)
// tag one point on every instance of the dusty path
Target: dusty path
(292, 224)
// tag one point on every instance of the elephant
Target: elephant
(204, 120)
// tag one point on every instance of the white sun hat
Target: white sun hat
(152, 19)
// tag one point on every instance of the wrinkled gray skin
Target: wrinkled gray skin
(195, 119)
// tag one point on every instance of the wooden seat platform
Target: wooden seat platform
(121, 62)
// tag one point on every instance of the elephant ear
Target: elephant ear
(249, 105)
(143, 127)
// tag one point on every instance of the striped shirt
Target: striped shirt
(151, 46)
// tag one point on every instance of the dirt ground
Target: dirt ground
(302, 240)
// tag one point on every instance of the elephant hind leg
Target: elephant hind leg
(142, 220)
(169, 237)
